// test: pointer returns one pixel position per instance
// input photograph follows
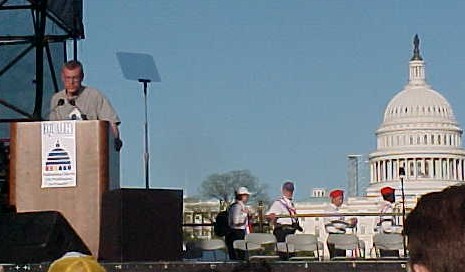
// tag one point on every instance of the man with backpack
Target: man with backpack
(238, 219)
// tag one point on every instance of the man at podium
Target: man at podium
(79, 102)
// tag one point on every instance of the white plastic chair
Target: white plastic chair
(345, 242)
(246, 247)
(212, 245)
(266, 242)
(243, 245)
(296, 243)
(387, 241)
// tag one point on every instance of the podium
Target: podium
(97, 170)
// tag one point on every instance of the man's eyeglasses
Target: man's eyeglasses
(73, 79)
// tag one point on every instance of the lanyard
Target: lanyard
(290, 209)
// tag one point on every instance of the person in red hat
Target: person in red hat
(388, 223)
(337, 224)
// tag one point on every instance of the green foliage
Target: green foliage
(222, 186)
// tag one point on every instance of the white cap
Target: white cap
(242, 191)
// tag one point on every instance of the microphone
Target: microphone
(60, 103)
(74, 116)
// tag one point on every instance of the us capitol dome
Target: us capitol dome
(418, 140)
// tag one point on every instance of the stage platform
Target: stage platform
(374, 265)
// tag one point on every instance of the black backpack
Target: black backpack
(221, 224)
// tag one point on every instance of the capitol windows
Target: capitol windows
(444, 169)
(382, 174)
(411, 140)
(411, 169)
(459, 169)
(452, 169)
(427, 169)
(425, 139)
(419, 169)
(436, 167)
(432, 139)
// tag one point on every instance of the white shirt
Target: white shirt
(337, 223)
(283, 206)
(387, 223)
(237, 216)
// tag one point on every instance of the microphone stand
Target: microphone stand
(145, 82)
(402, 175)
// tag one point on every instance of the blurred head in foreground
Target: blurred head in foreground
(76, 262)
(436, 231)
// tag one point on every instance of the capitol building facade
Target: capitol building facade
(420, 135)
(418, 150)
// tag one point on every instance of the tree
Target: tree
(222, 186)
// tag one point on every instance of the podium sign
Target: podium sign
(58, 154)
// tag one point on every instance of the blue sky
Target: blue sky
(286, 89)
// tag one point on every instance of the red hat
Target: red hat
(387, 190)
(336, 193)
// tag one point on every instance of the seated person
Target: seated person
(337, 224)
(388, 223)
